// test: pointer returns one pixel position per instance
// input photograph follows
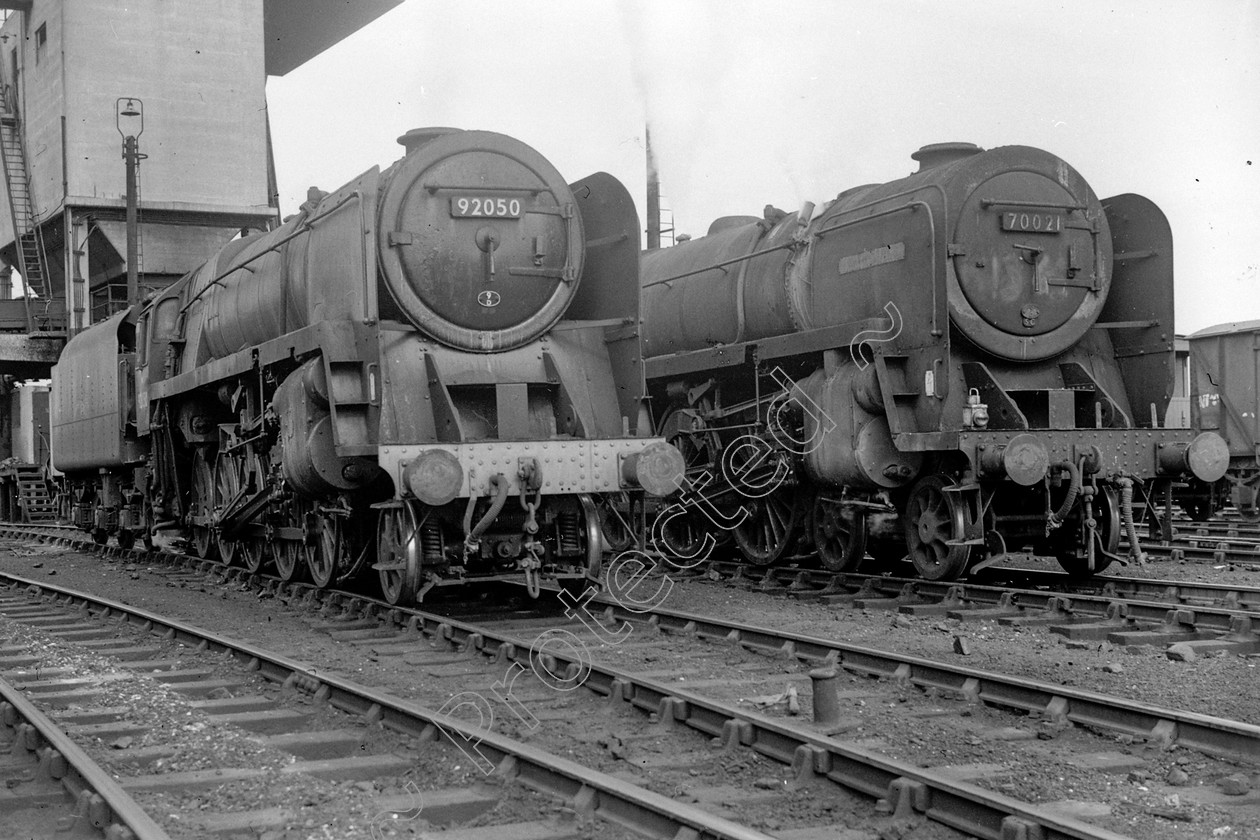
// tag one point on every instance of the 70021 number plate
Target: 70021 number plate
(485, 207)
(1032, 222)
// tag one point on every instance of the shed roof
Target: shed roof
(298, 30)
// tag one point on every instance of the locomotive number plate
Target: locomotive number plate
(485, 207)
(1032, 222)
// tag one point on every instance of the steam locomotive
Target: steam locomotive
(434, 371)
(964, 363)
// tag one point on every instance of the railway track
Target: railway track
(1188, 619)
(901, 789)
(1194, 617)
(1220, 540)
(1204, 549)
(52, 787)
(1216, 542)
(1247, 531)
(347, 716)
(894, 791)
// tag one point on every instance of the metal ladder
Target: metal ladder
(34, 502)
(32, 259)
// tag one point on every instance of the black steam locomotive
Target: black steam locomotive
(433, 371)
(969, 361)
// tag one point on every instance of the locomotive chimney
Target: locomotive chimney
(417, 137)
(939, 154)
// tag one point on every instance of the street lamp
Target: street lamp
(132, 110)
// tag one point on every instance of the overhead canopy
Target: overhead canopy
(298, 30)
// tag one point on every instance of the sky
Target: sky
(756, 103)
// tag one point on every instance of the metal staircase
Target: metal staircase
(34, 503)
(32, 259)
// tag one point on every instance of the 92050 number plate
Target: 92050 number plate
(1032, 222)
(485, 207)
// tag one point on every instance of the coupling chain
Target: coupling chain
(531, 564)
(531, 510)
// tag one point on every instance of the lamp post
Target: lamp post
(653, 195)
(132, 109)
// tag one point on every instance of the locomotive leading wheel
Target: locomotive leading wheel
(593, 536)
(770, 528)
(398, 545)
(1068, 542)
(936, 525)
(1246, 500)
(1200, 510)
(682, 535)
(202, 503)
(839, 535)
(616, 521)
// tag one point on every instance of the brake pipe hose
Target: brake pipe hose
(1074, 488)
(1126, 510)
(500, 485)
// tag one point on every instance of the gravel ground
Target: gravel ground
(1168, 795)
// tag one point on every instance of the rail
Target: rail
(115, 809)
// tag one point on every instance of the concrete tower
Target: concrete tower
(186, 80)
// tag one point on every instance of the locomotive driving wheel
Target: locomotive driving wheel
(287, 557)
(254, 549)
(771, 526)
(146, 535)
(398, 552)
(325, 553)
(936, 526)
(227, 484)
(839, 534)
(287, 554)
(202, 504)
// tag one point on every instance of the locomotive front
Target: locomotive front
(472, 237)
(456, 189)
(416, 350)
(979, 354)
